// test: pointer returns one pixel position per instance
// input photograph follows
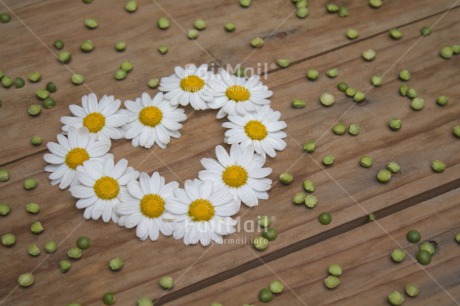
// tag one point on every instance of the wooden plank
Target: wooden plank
(296, 39)
(369, 275)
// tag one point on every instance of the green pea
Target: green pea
(375, 3)
(311, 201)
(376, 81)
(372, 217)
(78, 79)
(87, 1)
(58, 44)
(83, 242)
(343, 11)
(26, 280)
(260, 243)
(6, 208)
(301, 3)
(339, 129)
(384, 176)
(163, 49)
(193, 34)
(332, 8)
(342, 86)
(309, 146)
(366, 162)
(36, 228)
(265, 295)
(166, 282)
(298, 103)
(153, 83)
(200, 24)
(7, 82)
(87, 46)
(359, 96)
(120, 75)
(425, 31)
(393, 167)
(413, 236)
(33, 250)
(299, 198)
(403, 90)
(19, 82)
(331, 282)
(270, 233)
(131, 6)
(354, 129)
(30, 183)
(8, 239)
(302, 12)
(411, 93)
(4, 175)
(276, 287)
(369, 55)
(230, 27)
(91, 23)
(42, 94)
(265, 221)
(109, 298)
(395, 298)
(395, 124)
(257, 42)
(5, 17)
(398, 255)
(350, 92)
(144, 301)
(116, 264)
(429, 247)
(442, 100)
(438, 166)
(283, 62)
(332, 73)
(120, 46)
(33, 208)
(446, 52)
(64, 265)
(423, 257)
(456, 49)
(457, 238)
(455, 131)
(245, 3)
(50, 246)
(396, 34)
(412, 290)
(309, 186)
(312, 74)
(352, 34)
(163, 23)
(327, 99)
(417, 104)
(49, 103)
(51, 87)
(74, 253)
(335, 270)
(325, 218)
(64, 57)
(240, 72)
(35, 77)
(328, 160)
(34, 110)
(286, 178)
(405, 75)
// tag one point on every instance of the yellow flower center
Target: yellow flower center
(192, 83)
(235, 176)
(255, 130)
(94, 122)
(76, 157)
(106, 188)
(152, 205)
(150, 116)
(238, 93)
(201, 210)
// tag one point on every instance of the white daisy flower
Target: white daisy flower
(234, 95)
(102, 119)
(188, 86)
(260, 131)
(72, 151)
(240, 174)
(202, 213)
(103, 185)
(144, 208)
(152, 121)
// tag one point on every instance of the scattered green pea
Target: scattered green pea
(283, 62)
(369, 54)
(50, 246)
(394, 124)
(342, 86)
(131, 6)
(417, 104)
(260, 243)
(163, 23)
(4, 175)
(34, 109)
(91, 23)
(428, 246)
(35, 77)
(87, 46)
(371, 217)
(116, 264)
(309, 186)
(36, 228)
(270, 233)
(393, 167)
(457, 238)
(120, 46)
(83, 242)
(265, 295)
(286, 178)
(423, 257)
(412, 290)
(230, 27)
(456, 49)
(257, 42)
(26, 280)
(301, 3)
(312, 74)
(33, 250)
(339, 129)
(395, 298)
(311, 201)
(64, 265)
(153, 83)
(328, 160)
(298, 103)
(64, 57)
(87, 1)
(325, 218)
(442, 100)
(352, 34)
(332, 73)
(144, 301)
(384, 176)
(343, 11)
(7, 82)
(33, 208)
(299, 198)
(396, 34)
(216, 304)
(276, 287)
(332, 8)
(163, 49)
(2, 74)
(245, 3)
(58, 44)
(309, 146)
(366, 162)
(359, 97)
(200, 24)
(192, 34)
(42, 94)
(302, 12)
(376, 81)
(446, 52)
(331, 282)
(425, 31)
(398, 255)
(109, 298)
(411, 93)
(30, 183)
(5, 17)
(438, 166)
(78, 79)
(8, 239)
(403, 90)
(240, 72)
(327, 99)
(265, 221)
(74, 253)
(19, 82)
(48, 103)
(6, 208)
(455, 131)
(120, 74)
(375, 3)
(354, 129)
(166, 282)
(350, 92)
(335, 270)
(51, 87)
(405, 75)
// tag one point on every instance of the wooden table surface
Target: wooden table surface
(233, 273)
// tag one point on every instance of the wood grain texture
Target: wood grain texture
(318, 42)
